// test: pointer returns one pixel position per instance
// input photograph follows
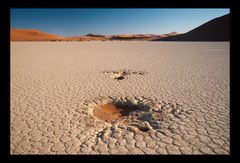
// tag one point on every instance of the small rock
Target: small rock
(175, 111)
(135, 102)
(167, 106)
(144, 127)
(148, 126)
(163, 107)
(155, 109)
(118, 75)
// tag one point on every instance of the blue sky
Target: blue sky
(72, 22)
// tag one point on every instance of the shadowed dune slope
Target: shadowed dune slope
(217, 29)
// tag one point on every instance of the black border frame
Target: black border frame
(5, 45)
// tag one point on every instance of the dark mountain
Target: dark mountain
(217, 29)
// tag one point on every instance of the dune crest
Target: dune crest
(33, 35)
(37, 35)
(217, 29)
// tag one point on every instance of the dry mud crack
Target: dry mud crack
(142, 115)
(53, 94)
(133, 125)
(151, 127)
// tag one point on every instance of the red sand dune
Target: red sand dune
(217, 29)
(33, 35)
(36, 35)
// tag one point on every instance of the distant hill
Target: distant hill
(95, 35)
(86, 38)
(36, 35)
(145, 37)
(217, 29)
(33, 35)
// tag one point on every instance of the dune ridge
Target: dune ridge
(33, 35)
(37, 35)
(217, 29)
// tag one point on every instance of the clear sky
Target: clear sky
(72, 22)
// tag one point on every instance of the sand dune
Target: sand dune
(32, 35)
(217, 29)
(36, 35)
(88, 38)
(169, 34)
(146, 37)
(54, 91)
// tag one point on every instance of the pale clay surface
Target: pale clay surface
(52, 82)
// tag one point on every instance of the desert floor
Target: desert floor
(54, 85)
